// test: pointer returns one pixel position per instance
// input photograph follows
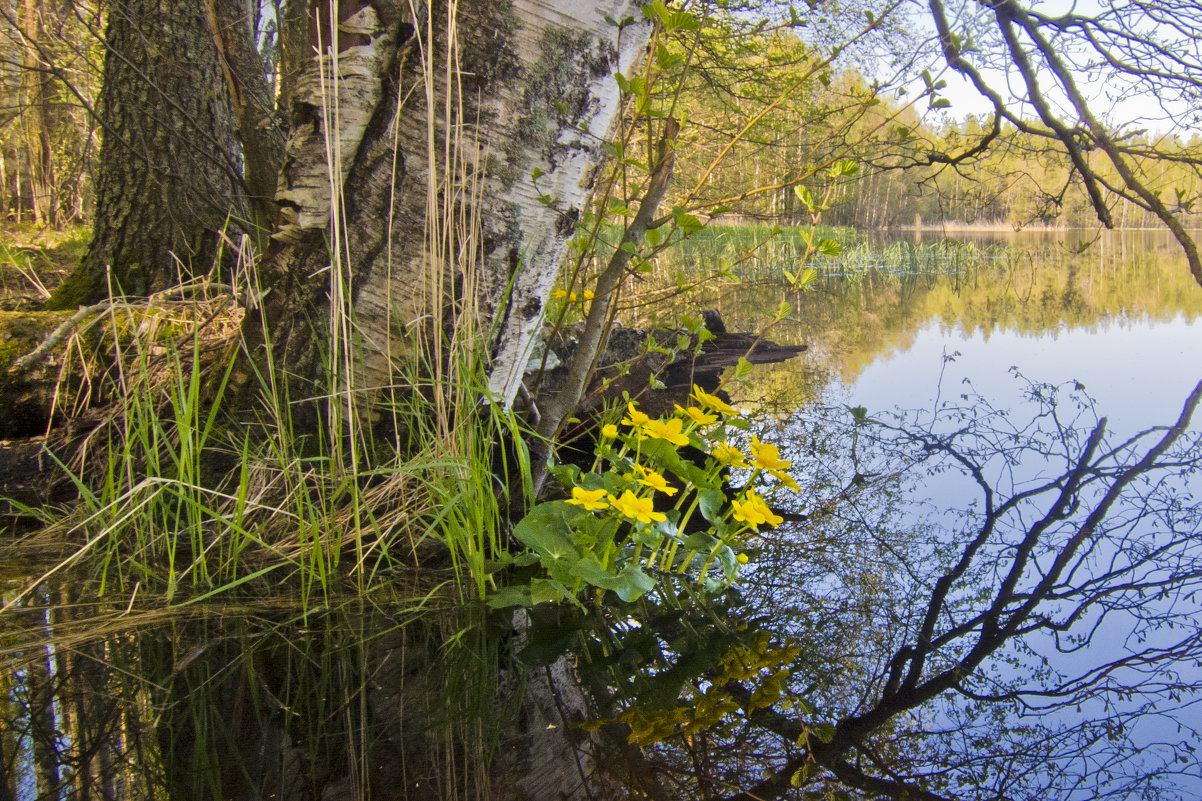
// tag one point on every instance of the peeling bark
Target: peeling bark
(439, 127)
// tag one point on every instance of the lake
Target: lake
(926, 355)
(931, 357)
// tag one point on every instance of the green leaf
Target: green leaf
(843, 167)
(941, 102)
(803, 774)
(679, 21)
(711, 502)
(743, 368)
(700, 541)
(666, 58)
(595, 573)
(830, 247)
(617, 207)
(803, 194)
(536, 173)
(686, 222)
(548, 591)
(545, 530)
(510, 596)
(653, 9)
(633, 583)
(825, 732)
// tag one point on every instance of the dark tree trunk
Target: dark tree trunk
(169, 174)
(245, 73)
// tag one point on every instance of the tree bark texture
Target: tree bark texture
(437, 126)
(245, 73)
(169, 174)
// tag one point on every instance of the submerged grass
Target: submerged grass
(206, 545)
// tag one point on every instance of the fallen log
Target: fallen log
(662, 375)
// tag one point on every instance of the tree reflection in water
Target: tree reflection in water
(1033, 634)
(372, 698)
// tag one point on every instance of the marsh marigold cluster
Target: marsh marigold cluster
(629, 481)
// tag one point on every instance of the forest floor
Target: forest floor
(33, 261)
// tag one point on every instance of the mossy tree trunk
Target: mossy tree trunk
(434, 217)
(169, 175)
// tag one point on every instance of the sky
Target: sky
(1146, 110)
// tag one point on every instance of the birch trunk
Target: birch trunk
(419, 137)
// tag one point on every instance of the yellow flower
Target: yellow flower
(591, 500)
(712, 402)
(698, 416)
(726, 454)
(609, 431)
(588, 294)
(753, 511)
(652, 479)
(640, 509)
(559, 293)
(785, 479)
(767, 456)
(635, 418)
(670, 430)
(742, 558)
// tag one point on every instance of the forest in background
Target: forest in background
(49, 139)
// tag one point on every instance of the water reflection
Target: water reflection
(996, 591)
(258, 700)
(875, 301)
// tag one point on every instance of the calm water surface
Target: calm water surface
(920, 323)
(936, 335)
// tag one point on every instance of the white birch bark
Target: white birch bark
(442, 221)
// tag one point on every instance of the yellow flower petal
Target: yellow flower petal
(698, 416)
(591, 500)
(652, 479)
(635, 417)
(635, 508)
(767, 456)
(670, 430)
(609, 431)
(725, 453)
(785, 479)
(713, 402)
(753, 511)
